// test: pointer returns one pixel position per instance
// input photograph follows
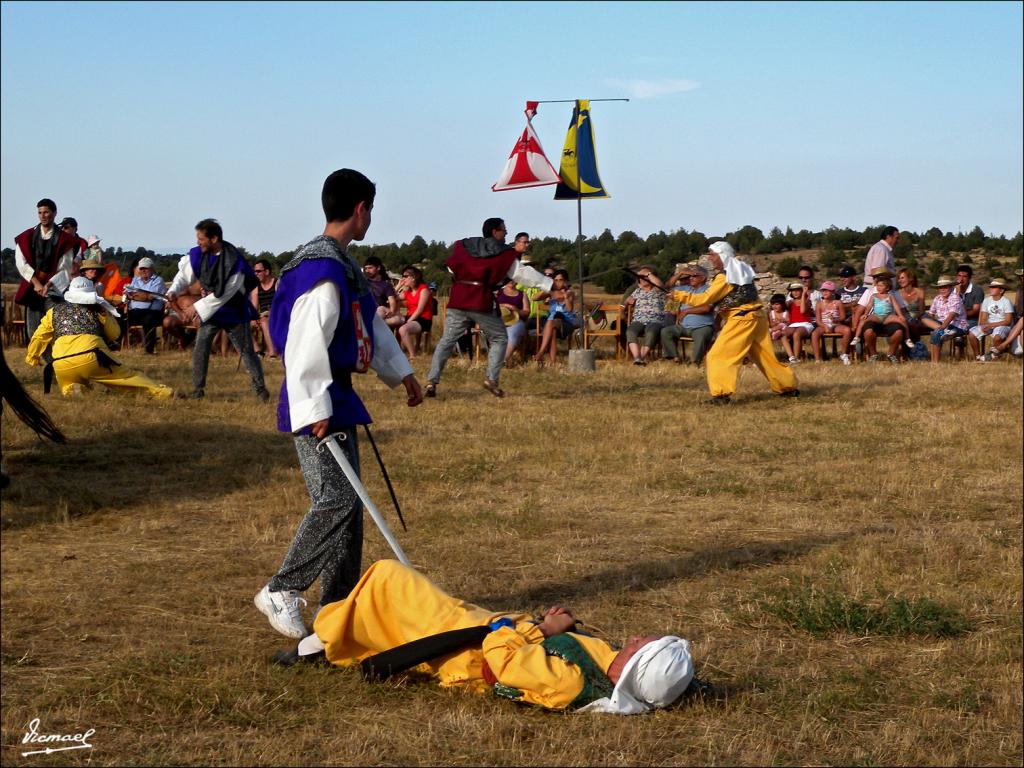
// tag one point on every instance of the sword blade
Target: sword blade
(360, 489)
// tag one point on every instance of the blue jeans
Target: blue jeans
(938, 336)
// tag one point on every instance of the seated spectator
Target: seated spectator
(778, 321)
(830, 315)
(806, 277)
(648, 303)
(561, 319)
(93, 270)
(515, 309)
(850, 293)
(882, 316)
(261, 298)
(913, 301)
(801, 319)
(970, 294)
(79, 328)
(995, 319)
(174, 321)
(946, 317)
(695, 323)
(383, 292)
(1013, 340)
(146, 300)
(419, 314)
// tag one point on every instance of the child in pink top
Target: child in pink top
(778, 321)
(831, 318)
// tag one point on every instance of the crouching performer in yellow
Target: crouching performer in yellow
(542, 661)
(79, 328)
(744, 326)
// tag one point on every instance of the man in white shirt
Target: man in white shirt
(880, 254)
(324, 318)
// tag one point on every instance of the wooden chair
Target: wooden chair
(14, 324)
(611, 313)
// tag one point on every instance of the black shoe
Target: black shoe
(431, 390)
(195, 394)
(47, 378)
(790, 393)
(719, 400)
(291, 657)
(263, 395)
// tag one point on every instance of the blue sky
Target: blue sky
(141, 119)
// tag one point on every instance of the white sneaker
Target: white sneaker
(793, 361)
(282, 608)
(845, 359)
(909, 343)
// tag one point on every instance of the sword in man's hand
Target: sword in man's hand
(332, 443)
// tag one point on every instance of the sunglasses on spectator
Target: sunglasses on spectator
(259, 271)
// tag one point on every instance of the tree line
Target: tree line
(933, 252)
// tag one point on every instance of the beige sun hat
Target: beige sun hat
(90, 264)
(943, 282)
(881, 272)
(997, 282)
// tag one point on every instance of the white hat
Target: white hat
(81, 291)
(93, 240)
(147, 262)
(655, 677)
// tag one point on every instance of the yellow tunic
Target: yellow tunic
(744, 333)
(84, 369)
(393, 604)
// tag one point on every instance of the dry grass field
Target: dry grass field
(846, 564)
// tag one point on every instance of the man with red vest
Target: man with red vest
(43, 256)
(478, 265)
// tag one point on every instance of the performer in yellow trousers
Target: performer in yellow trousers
(744, 327)
(539, 662)
(78, 327)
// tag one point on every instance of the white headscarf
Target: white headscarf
(656, 676)
(736, 272)
(82, 291)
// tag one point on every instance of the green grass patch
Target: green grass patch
(820, 611)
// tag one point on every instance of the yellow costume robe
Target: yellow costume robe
(744, 332)
(74, 364)
(393, 604)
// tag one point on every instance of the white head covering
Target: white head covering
(656, 676)
(736, 272)
(82, 291)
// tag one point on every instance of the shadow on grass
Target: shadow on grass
(121, 470)
(643, 576)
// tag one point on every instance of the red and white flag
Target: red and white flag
(527, 165)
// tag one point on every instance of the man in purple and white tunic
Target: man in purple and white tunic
(324, 318)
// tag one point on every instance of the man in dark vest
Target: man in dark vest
(226, 280)
(478, 265)
(43, 256)
(324, 322)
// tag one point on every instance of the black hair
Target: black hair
(522, 234)
(374, 261)
(966, 268)
(777, 298)
(889, 232)
(808, 267)
(47, 203)
(492, 224)
(210, 228)
(343, 191)
(562, 273)
(265, 263)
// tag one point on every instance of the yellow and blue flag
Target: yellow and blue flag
(578, 169)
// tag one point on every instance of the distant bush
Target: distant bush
(787, 267)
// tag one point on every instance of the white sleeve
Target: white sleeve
(865, 299)
(311, 327)
(62, 276)
(529, 276)
(24, 269)
(389, 361)
(209, 304)
(184, 278)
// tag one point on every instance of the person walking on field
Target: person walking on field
(324, 321)
(226, 280)
(744, 327)
(479, 264)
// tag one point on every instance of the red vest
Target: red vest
(476, 279)
(25, 294)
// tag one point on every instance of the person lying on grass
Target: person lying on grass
(547, 661)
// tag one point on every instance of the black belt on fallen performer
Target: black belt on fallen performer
(408, 655)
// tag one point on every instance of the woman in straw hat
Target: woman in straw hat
(744, 327)
(946, 317)
(78, 328)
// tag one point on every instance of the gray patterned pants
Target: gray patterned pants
(329, 541)
(241, 340)
(456, 321)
